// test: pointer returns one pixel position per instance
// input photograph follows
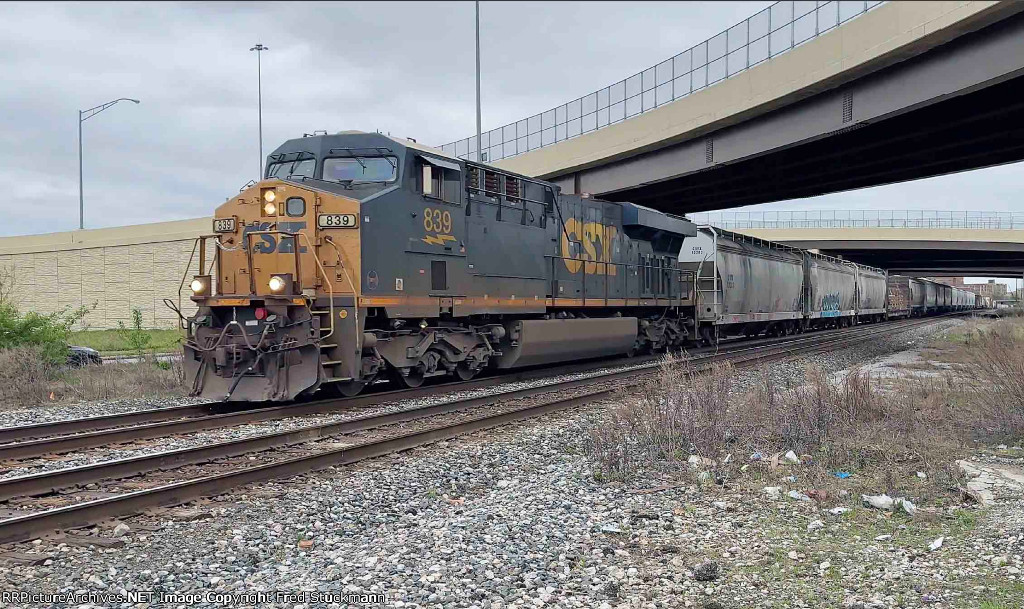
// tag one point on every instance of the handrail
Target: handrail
(869, 218)
(199, 242)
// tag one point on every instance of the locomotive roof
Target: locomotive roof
(322, 145)
(377, 143)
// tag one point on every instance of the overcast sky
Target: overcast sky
(404, 68)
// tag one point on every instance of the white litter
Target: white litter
(798, 496)
(879, 502)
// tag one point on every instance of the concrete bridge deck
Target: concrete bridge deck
(932, 243)
(903, 91)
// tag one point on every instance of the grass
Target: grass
(111, 342)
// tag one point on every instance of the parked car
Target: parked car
(79, 357)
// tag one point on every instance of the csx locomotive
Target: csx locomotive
(360, 256)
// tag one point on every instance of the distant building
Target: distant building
(992, 288)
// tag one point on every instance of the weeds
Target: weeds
(27, 378)
(681, 413)
(135, 337)
(24, 376)
(852, 422)
(141, 379)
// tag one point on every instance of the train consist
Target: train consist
(749, 286)
(360, 256)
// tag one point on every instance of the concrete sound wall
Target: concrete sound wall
(114, 269)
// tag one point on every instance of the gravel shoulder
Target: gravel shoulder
(514, 517)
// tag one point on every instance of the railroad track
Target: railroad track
(217, 468)
(25, 442)
(183, 419)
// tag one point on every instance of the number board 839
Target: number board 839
(337, 220)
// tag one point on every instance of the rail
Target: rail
(769, 33)
(982, 220)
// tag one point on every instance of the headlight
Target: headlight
(270, 209)
(276, 284)
(269, 196)
(200, 285)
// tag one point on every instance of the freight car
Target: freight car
(361, 256)
(747, 286)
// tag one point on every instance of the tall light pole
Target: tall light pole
(84, 115)
(479, 153)
(259, 48)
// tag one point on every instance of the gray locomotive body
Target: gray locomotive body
(465, 266)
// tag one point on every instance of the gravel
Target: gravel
(514, 517)
(146, 447)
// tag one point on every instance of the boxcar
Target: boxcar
(899, 301)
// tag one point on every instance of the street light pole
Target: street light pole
(479, 153)
(81, 199)
(84, 115)
(259, 48)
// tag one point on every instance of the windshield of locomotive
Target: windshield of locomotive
(296, 168)
(361, 169)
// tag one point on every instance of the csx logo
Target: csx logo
(596, 240)
(268, 244)
(830, 302)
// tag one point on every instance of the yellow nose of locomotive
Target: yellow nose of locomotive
(271, 299)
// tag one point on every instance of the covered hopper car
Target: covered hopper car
(748, 286)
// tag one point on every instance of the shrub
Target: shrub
(49, 333)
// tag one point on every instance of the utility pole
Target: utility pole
(259, 48)
(479, 152)
(84, 115)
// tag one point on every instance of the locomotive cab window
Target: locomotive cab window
(360, 170)
(441, 180)
(288, 169)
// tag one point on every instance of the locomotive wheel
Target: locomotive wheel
(412, 380)
(465, 373)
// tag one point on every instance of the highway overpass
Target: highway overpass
(809, 100)
(925, 243)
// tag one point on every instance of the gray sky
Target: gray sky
(404, 68)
